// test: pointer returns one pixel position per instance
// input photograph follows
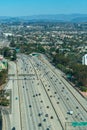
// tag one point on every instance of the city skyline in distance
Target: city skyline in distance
(37, 7)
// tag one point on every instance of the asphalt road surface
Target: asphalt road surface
(42, 98)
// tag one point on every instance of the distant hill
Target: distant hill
(58, 17)
(80, 19)
(48, 18)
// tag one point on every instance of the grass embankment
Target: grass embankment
(3, 77)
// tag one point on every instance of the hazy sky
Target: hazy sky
(33, 7)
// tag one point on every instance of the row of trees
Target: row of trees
(8, 53)
(29, 48)
(76, 71)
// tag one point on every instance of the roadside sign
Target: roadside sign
(79, 124)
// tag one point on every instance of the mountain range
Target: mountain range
(48, 18)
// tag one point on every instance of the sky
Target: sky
(37, 7)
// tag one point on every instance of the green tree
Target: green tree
(6, 52)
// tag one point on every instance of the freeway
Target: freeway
(40, 112)
(61, 93)
(41, 97)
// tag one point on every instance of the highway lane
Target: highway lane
(72, 103)
(15, 107)
(51, 103)
(37, 105)
(54, 101)
(60, 75)
(5, 120)
(41, 97)
(23, 97)
(13, 118)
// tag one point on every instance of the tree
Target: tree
(6, 52)
(12, 43)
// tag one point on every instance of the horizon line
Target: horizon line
(44, 14)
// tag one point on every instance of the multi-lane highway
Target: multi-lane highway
(42, 98)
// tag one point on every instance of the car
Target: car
(70, 112)
(39, 124)
(44, 120)
(47, 129)
(13, 128)
(16, 98)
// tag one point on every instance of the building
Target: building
(84, 59)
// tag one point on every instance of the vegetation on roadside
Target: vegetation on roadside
(3, 76)
(29, 48)
(8, 53)
(75, 71)
(3, 98)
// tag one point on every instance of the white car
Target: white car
(70, 112)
